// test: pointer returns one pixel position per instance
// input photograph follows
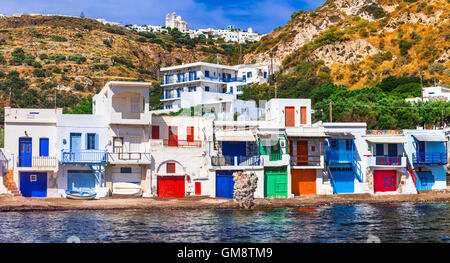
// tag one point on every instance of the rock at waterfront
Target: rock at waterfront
(244, 189)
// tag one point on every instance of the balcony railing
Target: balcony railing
(217, 79)
(84, 157)
(182, 143)
(306, 160)
(236, 160)
(430, 158)
(399, 161)
(37, 161)
(129, 157)
(334, 156)
(273, 157)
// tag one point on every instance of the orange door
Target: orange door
(190, 134)
(302, 153)
(289, 115)
(302, 115)
(303, 182)
(173, 136)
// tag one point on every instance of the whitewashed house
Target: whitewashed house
(125, 105)
(30, 147)
(179, 146)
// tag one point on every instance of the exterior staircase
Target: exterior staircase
(8, 181)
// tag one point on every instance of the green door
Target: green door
(276, 182)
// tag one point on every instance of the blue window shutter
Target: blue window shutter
(87, 142)
(195, 89)
(96, 141)
(206, 73)
(231, 90)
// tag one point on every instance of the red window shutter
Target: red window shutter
(190, 134)
(289, 116)
(302, 115)
(170, 168)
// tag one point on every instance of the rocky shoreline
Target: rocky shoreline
(9, 203)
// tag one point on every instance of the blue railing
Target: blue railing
(84, 157)
(249, 160)
(429, 158)
(386, 160)
(357, 170)
(218, 79)
(334, 156)
(236, 160)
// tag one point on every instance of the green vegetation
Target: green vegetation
(58, 38)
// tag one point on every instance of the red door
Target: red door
(190, 134)
(198, 188)
(302, 153)
(155, 132)
(173, 136)
(171, 186)
(385, 180)
(289, 115)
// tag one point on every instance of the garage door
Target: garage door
(303, 182)
(224, 184)
(385, 180)
(33, 184)
(126, 174)
(171, 186)
(344, 182)
(276, 182)
(80, 181)
(426, 181)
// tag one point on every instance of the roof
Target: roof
(430, 137)
(340, 135)
(129, 84)
(386, 139)
(196, 64)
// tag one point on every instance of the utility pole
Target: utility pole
(421, 82)
(331, 111)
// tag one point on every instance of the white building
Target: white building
(31, 149)
(208, 83)
(174, 21)
(433, 93)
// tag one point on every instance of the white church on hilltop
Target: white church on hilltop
(174, 21)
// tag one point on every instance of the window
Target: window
(135, 105)
(90, 143)
(249, 75)
(265, 75)
(190, 134)
(43, 147)
(333, 144)
(118, 144)
(349, 145)
(125, 170)
(302, 115)
(155, 132)
(207, 73)
(206, 88)
(170, 168)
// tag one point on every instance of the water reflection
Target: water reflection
(337, 223)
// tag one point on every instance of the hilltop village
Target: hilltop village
(203, 135)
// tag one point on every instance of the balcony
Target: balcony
(236, 160)
(182, 143)
(429, 158)
(275, 159)
(307, 162)
(386, 161)
(202, 78)
(38, 162)
(129, 158)
(170, 97)
(339, 156)
(84, 157)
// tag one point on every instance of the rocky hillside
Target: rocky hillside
(79, 55)
(360, 42)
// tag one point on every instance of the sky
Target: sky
(263, 15)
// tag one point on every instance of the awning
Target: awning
(387, 139)
(340, 135)
(430, 138)
(235, 136)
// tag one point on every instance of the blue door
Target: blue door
(33, 184)
(43, 147)
(25, 152)
(80, 181)
(75, 146)
(343, 179)
(224, 184)
(425, 181)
